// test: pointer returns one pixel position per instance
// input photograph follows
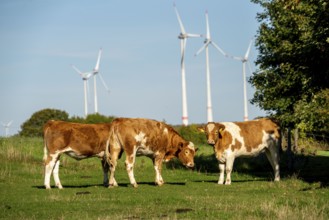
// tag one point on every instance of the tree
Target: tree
(33, 127)
(293, 44)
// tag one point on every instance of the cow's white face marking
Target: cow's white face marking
(210, 127)
(191, 146)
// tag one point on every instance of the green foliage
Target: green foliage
(93, 119)
(191, 133)
(293, 44)
(33, 127)
(314, 115)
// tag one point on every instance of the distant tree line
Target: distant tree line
(33, 127)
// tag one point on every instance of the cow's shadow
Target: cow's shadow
(309, 168)
(102, 186)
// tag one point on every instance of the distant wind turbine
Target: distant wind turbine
(207, 42)
(85, 76)
(95, 72)
(6, 126)
(244, 61)
(183, 37)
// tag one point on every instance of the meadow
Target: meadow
(187, 194)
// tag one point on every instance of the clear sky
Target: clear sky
(40, 39)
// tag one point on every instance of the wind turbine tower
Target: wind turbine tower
(207, 42)
(183, 37)
(244, 61)
(85, 76)
(6, 126)
(96, 72)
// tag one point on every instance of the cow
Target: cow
(146, 137)
(234, 139)
(76, 140)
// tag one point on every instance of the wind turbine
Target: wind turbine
(207, 42)
(183, 37)
(95, 72)
(85, 76)
(244, 61)
(6, 126)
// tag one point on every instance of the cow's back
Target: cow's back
(257, 132)
(89, 138)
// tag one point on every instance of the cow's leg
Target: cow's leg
(113, 163)
(50, 162)
(56, 175)
(130, 161)
(157, 163)
(105, 167)
(221, 173)
(273, 156)
(228, 169)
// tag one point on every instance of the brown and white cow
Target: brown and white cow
(144, 137)
(78, 141)
(234, 139)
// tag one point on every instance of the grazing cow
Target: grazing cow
(144, 137)
(79, 141)
(234, 139)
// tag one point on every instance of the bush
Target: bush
(33, 127)
(191, 133)
(92, 119)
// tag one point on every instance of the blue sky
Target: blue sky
(40, 39)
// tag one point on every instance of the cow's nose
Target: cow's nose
(190, 165)
(211, 142)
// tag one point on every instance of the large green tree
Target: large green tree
(293, 76)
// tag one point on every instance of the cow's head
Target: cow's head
(186, 153)
(213, 132)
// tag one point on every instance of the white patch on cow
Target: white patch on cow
(69, 151)
(140, 137)
(210, 127)
(165, 131)
(191, 146)
(235, 132)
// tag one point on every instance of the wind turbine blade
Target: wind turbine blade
(77, 70)
(9, 123)
(237, 58)
(201, 49)
(193, 35)
(179, 20)
(98, 61)
(104, 84)
(208, 29)
(219, 49)
(248, 50)
(250, 69)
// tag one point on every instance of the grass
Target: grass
(186, 194)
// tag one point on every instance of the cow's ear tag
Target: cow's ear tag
(221, 130)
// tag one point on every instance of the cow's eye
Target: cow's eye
(186, 152)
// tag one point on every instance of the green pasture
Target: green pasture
(186, 194)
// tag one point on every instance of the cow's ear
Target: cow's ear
(221, 128)
(180, 145)
(201, 129)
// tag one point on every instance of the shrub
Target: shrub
(33, 127)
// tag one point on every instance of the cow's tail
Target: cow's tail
(45, 146)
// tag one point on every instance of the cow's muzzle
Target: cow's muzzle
(211, 142)
(190, 165)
